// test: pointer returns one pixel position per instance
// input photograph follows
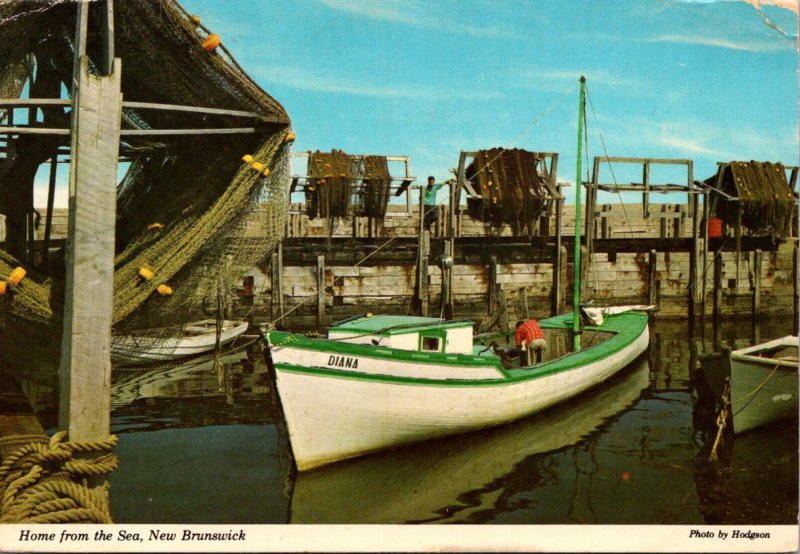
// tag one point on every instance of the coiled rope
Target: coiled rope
(42, 481)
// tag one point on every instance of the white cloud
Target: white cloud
(355, 86)
(415, 13)
(761, 46)
(694, 138)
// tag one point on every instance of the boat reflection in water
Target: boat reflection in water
(447, 480)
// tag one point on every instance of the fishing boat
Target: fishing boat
(764, 384)
(450, 480)
(380, 381)
(160, 345)
(376, 382)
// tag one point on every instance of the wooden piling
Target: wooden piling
(585, 263)
(276, 309)
(503, 308)
(757, 260)
(423, 252)
(491, 284)
(320, 290)
(697, 278)
(450, 251)
(559, 259)
(85, 372)
(796, 280)
(562, 277)
(651, 278)
(717, 284)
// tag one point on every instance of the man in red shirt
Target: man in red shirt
(530, 341)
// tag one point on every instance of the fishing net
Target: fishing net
(330, 184)
(512, 187)
(376, 187)
(342, 185)
(194, 211)
(766, 200)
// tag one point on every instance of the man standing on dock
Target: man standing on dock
(431, 211)
(530, 342)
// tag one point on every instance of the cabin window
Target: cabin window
(431, 344)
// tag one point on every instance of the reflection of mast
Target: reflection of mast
(575, 506)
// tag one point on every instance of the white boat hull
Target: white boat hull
(762, 389)
(197, 337)
(336, 418)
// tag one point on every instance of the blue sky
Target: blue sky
(706, 80)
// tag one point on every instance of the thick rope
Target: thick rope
(43, 482)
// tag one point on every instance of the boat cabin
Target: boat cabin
(420, 334)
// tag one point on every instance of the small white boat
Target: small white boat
(162, 345)
(764, 385)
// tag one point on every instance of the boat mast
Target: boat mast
(576, 291)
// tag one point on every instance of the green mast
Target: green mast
(576, 291)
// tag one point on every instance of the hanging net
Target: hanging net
(342, 185)
(766, 200)
(512, 185)
(190, 213)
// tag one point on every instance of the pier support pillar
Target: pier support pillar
(717, 284)
(491, 292)
(277, 284)
(651, 278)
(757, 260)
(320, 290)
(85, 371)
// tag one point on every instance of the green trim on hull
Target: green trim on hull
(627, 327)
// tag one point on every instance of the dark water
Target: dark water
(199, 445)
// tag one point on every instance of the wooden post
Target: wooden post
(562, 278)
(757, 259)
(450, 251)
(85, 372)
(604, 223)
(424, 254)
(423, 248)
(320, 290)
(491, 297)
(503, 307)
(704, 277)
(677, 223)
(559, 255)
(662, 225)
(523, 303)
(796, 280)
(717, 284)
(646, 193)
(586, 262)
(651, 281)
(697, 279)
(276, 309)
(51, 194)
